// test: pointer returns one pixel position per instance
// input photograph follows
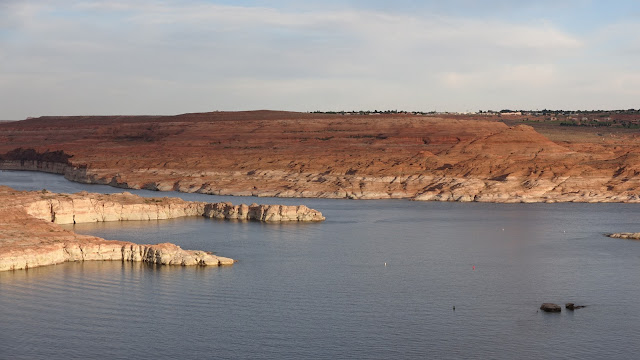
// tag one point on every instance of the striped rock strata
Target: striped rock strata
(280, 154)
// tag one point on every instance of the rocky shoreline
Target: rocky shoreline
(30, 235)
(510, 189)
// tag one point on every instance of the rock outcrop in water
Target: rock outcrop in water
(278, 213)
(632, 236)
(550, 307)
(30, 236)
(572, 306)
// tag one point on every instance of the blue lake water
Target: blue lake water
(322, 290)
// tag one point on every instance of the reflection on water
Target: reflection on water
(323, 291)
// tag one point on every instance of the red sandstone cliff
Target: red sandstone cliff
(314, 155)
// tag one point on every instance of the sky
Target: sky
(169, 57)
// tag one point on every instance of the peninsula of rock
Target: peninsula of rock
(632, 236)
(30, 235)
(284, 154)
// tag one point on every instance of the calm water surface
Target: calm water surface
(323, 290)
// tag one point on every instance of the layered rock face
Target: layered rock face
(85, 207)
(332, 156)
(30, 236)
(92, 249)
(36, 165)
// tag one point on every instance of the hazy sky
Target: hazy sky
(170, 57)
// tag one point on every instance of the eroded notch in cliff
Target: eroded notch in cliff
(53, 212)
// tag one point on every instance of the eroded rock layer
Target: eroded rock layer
(333, 156)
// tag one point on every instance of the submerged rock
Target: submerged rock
(572, 306)
(550, 307)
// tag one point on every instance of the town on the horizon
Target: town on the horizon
(629, 118)
(479, 112)
(621, 118)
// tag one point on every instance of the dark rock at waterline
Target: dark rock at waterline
(572, 306)
(549, 307)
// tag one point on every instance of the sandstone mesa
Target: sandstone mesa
(283, 154)
(30, 236)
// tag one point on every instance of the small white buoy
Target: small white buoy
(502, 229)
(385, 264)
